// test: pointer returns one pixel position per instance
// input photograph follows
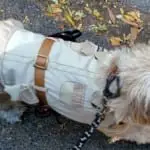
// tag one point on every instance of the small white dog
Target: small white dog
(74, 79)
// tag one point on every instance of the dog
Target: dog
(76, 77)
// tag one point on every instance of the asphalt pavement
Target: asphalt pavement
(45, 133)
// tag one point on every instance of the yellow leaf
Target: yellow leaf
(89, 10)
(129, 18)
(134, 14)
(134, 34)
(69, 18)
(69, 11)
(115, 41)
(96, 13)
(122, 11)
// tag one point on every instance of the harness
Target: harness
(45, 110)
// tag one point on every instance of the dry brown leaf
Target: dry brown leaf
(115, 41)
(136, 15)
(54, 10)
(111, 15)
(126, 38)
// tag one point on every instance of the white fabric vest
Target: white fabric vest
(70, 80)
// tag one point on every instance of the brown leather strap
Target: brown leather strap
(41, 65)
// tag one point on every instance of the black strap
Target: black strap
(99, 117)
(71, 35)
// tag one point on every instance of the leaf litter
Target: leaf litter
(104, 18)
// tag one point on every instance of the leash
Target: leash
(100, 115)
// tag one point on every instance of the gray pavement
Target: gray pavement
(44, 133)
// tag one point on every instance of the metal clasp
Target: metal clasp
(41, 62)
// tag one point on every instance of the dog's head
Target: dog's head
(131, 111)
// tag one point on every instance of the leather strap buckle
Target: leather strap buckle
(41, 62)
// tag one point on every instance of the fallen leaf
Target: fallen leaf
(126, 38)
(79, 27)
(89, 10)
(134, 34)
(135, 14)
(96, 13)
(131, 23)
(111, 15)
(99, 28)
(122, 11)
(116, 41)
(53, 10)
(69, 18)
(129, 18)
(133, 18)
(56, 8)
(62, 1)
(26, 19)
(78, 15)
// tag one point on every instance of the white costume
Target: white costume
(71, 78)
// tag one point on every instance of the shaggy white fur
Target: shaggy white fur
(131, 111)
